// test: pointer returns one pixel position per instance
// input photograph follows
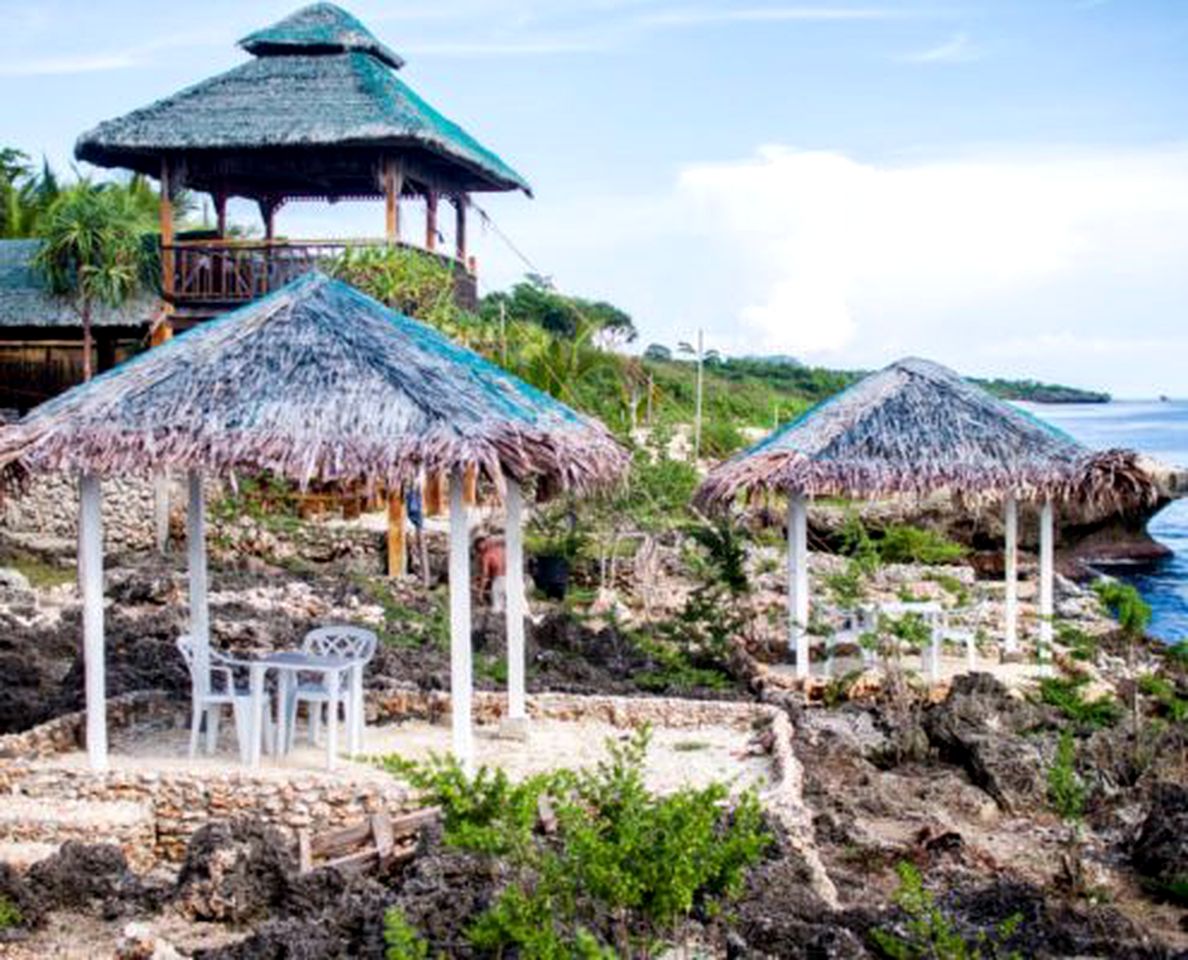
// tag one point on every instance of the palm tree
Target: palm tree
(93, 250)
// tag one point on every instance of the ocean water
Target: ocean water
(1161, 430)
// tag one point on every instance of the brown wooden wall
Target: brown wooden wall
(33, 371)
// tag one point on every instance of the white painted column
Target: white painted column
(460, 653)
(90, 568)
(1011, 638)
(199, 602)
(514, 581)
(798, 589)
(1047, 565)
(161, 487)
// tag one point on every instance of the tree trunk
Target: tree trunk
(88, 344)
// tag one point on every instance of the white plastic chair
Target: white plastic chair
(351, 643)
(209, 699)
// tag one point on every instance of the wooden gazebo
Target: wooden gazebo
(917, 428)
(317, 113)
(314, 383)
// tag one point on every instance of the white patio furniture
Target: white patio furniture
(855, 625)
(933, 614)
(354, 644)
(211, 694)
(287, 665)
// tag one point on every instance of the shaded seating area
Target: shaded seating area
(316, 383)
(918, 429)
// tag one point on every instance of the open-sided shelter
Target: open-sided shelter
(316, 382)
(918, 428)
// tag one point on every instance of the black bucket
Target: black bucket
(551, 575)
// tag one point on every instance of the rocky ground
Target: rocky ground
(960, 788)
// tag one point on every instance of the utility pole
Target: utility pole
(503, 331)
(697, 414)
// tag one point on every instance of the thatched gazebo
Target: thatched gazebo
(918, 428)
(314, 383)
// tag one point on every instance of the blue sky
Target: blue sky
(999, 185)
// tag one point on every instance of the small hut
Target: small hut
(917, 428)
(314, 383)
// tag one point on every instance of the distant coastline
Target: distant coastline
(1032, 391)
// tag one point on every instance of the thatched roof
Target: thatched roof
(311, 114)
(919, 428)
(316, 382)
(26, 301)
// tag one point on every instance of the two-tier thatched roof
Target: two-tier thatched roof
(312, 114)
(316, 382)
(919, 428)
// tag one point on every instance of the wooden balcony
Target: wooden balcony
(218, 275)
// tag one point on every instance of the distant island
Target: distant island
(1032, 391)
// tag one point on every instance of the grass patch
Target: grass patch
(1066, 694)
(41, 575)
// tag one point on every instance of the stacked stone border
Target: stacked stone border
(182, 802)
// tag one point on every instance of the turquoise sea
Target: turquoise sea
(1160, 429)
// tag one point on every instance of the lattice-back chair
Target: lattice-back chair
(355, 644)
(210, 697)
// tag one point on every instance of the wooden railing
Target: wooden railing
(228, 273)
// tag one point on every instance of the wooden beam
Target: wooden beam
(431, 220)
(461, 201)
(90, 573)
(220, 205)
(397, 547)
(435, 491)
(470, 486)
(165, 209)
(393, 185)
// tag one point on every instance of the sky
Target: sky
(999, 185)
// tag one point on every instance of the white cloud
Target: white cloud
(697, 16)
(51, 66)
(957, 49)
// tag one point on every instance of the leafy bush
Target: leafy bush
(1164, 692)
(401, 940)
(720, 438)
(929, 934)
(10, 914)
(415, 283)
(1066, 791)
(1125, 604)
(1066, 695)
(596, 865)
(905, 544)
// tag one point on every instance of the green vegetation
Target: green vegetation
(1126, 605)
(1035, 392)
(1066, 694)
(406, 626)
(10, 914)
(1164, 692)
(401, 940)
(1066, 791)
(928, 933)
(592, 863)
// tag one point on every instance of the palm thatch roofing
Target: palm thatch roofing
(316, 382)
(919, 428)
(312, 114)
(26, 301)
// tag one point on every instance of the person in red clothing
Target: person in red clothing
(492, 570)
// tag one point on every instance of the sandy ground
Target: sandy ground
(677, 757)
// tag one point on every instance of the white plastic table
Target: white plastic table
(336, 673)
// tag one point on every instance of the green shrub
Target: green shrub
(617, 869)
(1066, 791)
(905, 544)
(929, 934)
(1065, 694)
(10, 914)
(1125, 604)
(1164, 692)
(720, 438)
(401, 941)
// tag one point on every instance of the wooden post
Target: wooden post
(431, 220)
(470, 485)
(460, 203)
(435, 485)
(1011, 638)
(1047, 565)
(393, 184)
(460, 653)
(268, 207)
(397, 548)
(90, 573)
(798, 599)
(199, 602)
(220, 205)
(165, 208)
(514, 584)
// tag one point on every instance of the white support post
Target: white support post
(199, 602)
(460, 653)
(1011, 519)
(514, 580)
(1047, 564)
(798, 599)
(161, 511)
(90, 564)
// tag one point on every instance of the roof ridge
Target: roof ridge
(319, 28)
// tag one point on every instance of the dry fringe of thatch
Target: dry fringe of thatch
(316, 383)
(917, 428)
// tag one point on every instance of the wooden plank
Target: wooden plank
(381, 832)
(397, 547)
